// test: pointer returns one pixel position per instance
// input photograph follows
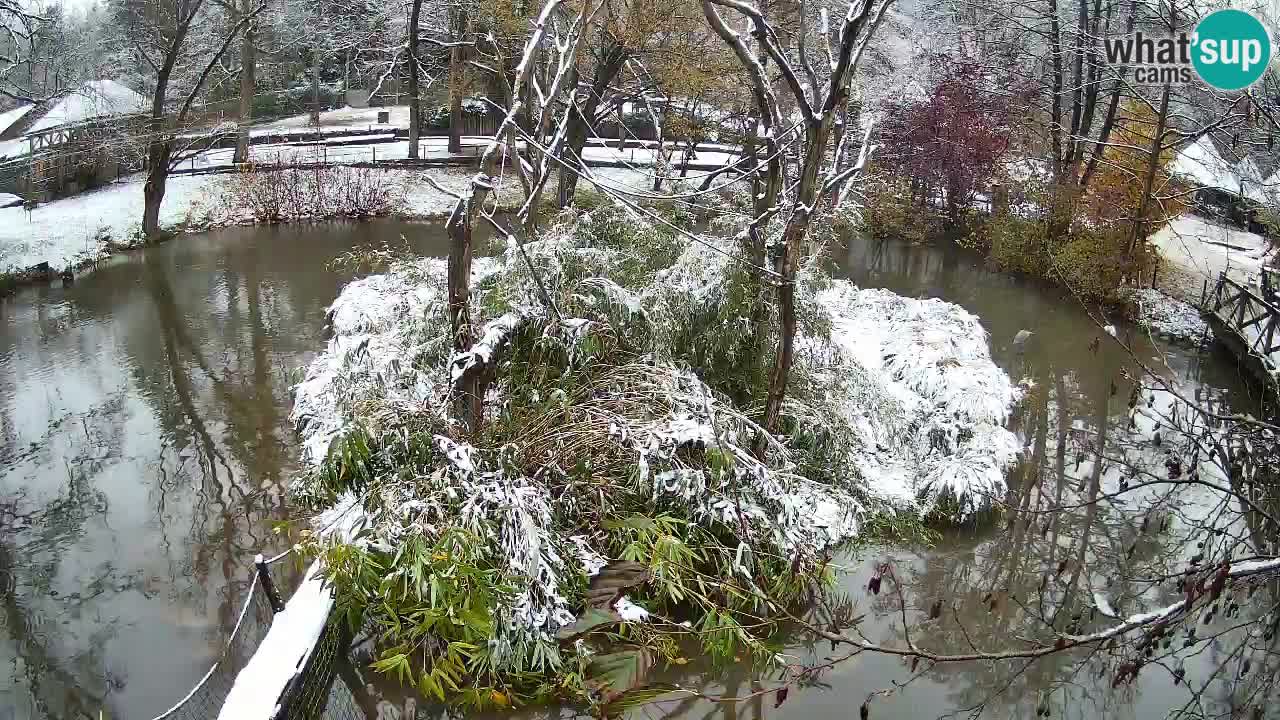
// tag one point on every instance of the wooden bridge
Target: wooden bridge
(1245, 319)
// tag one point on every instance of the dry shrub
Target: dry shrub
(1051, 233)
(892, 211)
(282, 194)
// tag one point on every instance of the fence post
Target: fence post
(269, 587)
(374, 148)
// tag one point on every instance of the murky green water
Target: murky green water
(145, 449)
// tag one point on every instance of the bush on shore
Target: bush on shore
(269, 195)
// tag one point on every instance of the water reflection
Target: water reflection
(145, 451)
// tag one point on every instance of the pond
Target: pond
(145, 450)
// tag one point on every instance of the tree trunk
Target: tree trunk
(460, 250)
(248, 87)
(622, 127)
(606, 72)
(415, 102)
(159, 148)
(953, 206)
(469, 403)
(1055, 113)
(1138, 230)
(816, 137)
(575, 126)
(459, 19)
(158, 152)
(315, 86)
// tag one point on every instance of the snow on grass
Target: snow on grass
(81, 229)
(84, 228)
(912, 380)
(1168, 316)
(385, 147)
(373, 330)
(337, 151)
(936, 427)
(1207, 249)
(345, 117)
(643, 424)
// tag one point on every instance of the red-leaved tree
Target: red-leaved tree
(950, 141)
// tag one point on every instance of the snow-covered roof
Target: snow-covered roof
(93, 99)
(1205, 166)
(9, 117)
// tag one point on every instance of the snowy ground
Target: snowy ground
(1197, 250)
(1167, 316)
(347, 119)
(84, 228)
(80, 229)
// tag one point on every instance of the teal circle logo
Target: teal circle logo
(1231, 49)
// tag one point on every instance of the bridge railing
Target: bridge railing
(1248, 313)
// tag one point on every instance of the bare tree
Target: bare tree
(817, 103)
(23, 30)
(559, 37)
(165, 35)
(415, 102)
(248, 80)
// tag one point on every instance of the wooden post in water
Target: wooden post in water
(269, 587)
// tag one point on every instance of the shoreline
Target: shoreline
(76, 233)
(11, 282)
(434, 206)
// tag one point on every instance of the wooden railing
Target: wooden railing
(1245, 311)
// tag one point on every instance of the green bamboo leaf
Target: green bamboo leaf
(637, 697)
(591, 619)
(618, 672)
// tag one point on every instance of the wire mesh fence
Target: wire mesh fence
(206, 697)
(328, 688)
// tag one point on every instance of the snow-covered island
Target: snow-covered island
(610, 434)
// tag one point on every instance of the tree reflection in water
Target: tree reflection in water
(146, 448)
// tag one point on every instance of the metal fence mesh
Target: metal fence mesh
(330, 687)
(206, 699)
